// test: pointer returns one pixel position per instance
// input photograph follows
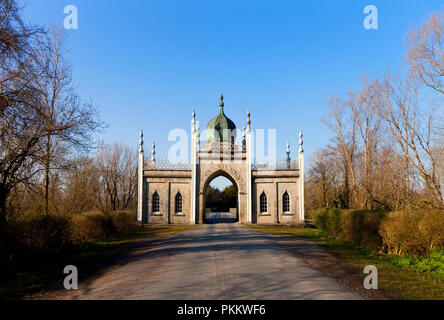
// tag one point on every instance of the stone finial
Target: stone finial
(141, 141)
(193, 122)
(221, 104)
(301, 142)
(288, 152)
(249, 119)
(153, 152)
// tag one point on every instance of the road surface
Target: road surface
(211, 262)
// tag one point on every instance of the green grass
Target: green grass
(399, 280)
(32, 279)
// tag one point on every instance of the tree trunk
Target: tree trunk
(3, 245)
(2, 211)
(47, 169)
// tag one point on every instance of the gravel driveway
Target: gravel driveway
(210, 262)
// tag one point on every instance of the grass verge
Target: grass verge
(40, 276)
(400, 282)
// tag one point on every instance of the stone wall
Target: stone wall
(167, 185)
(274, 184)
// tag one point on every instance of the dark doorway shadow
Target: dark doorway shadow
(220, 217)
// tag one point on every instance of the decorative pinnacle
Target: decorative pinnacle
(301, 142)
(221, 104)
(288, 152)
(153, 152)
(193, 122)
(248, 119)
(141, 141)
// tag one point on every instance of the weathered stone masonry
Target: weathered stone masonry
(174, 193)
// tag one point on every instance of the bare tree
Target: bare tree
(20, 121)
(322, 177)
(117, 167)
(68, 123)
(413, 131)
(364, 112)
(343, 125)
(361, 146)
(426, 51)
(80, 183)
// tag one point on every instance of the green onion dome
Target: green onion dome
(222, 126)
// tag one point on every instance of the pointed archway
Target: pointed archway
(221, 201)
(205, 185)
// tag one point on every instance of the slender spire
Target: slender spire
(193, 122)
(221, 104)
(141, 141)
(153, 152)
(244, 138)
(249, 120)
(288, 152)
(301, 142)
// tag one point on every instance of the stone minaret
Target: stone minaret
(140, 184)
(194, 160)
(301, 178)
(288, 154)
(249, 147)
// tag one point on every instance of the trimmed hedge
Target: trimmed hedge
(34, 237)
(320, 218)
(354, 226)
(408, 232)
(413, 232)
(90, 227)
(49, 233)
(123, 221)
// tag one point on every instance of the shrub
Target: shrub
(414, 232)
(350, 226)
(400, 233)
(333, 221)
(320, 218)
(431, 228)
(91, 226)
(354, 226)
(371, 222)
(123, 221)
(40, 232)
(361, 227)
(32, 239)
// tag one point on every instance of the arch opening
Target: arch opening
(221, 199)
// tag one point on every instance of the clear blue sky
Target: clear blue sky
(147, 64)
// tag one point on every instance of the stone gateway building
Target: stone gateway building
(173, 193)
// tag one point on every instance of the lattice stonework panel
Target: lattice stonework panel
(165, 164)
(276, 165)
